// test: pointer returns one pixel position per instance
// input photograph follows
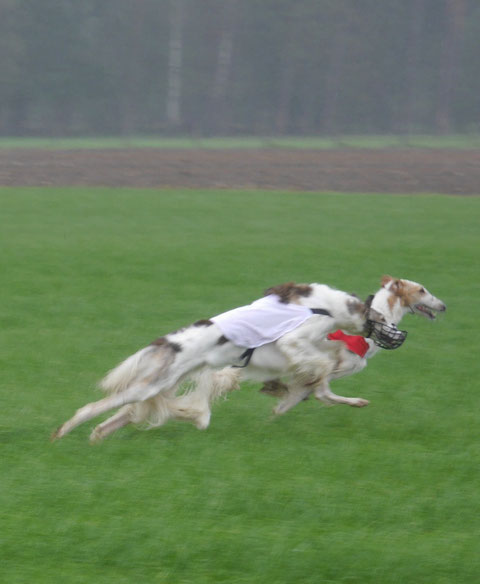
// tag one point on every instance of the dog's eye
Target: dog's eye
(422, 290)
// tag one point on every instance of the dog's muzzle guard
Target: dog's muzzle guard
(385, 335)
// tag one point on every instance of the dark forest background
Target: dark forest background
(233, 67)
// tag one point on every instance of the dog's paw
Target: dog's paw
(202, 422)
(360, 403)
(96, 436)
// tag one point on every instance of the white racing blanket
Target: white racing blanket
(263, 321)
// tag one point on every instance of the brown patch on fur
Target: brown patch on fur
(312, 383)
(203, 322)
(399, 289)
(354, 306)
(394, 297)
(396, 288)
(222, 340)
(163, 342)
(289, 292)
(404, 292)
(385, 280)
(275, 388)
(408, 294)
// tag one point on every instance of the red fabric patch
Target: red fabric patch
(355, 343)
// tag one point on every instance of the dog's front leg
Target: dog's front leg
(293, 396)
(326, 395)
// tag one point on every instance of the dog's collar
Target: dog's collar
(320, 311)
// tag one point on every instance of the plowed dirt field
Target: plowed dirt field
(383, 171)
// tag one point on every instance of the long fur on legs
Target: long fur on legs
(197, 394)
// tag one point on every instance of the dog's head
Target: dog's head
(413, 296)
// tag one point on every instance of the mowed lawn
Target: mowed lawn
(385, 494)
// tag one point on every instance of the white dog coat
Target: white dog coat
(263, 321)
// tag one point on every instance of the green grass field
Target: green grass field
(387, 494)
(455, 142)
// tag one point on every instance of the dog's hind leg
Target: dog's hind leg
(162, 368)
(326, 395)
(122, 418)
(138, 392)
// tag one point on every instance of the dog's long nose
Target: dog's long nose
(443, 308)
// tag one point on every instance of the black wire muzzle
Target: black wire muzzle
(385, 335)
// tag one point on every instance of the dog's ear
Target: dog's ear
(396, 285)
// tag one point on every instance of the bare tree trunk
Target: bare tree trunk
(15, 117)
(334, 77)
(456, 11)
(282, 121)
(175, 51)
(342, 21)
(129, 101)
(223, 69)
(417, 18)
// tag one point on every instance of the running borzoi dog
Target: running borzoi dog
(394, 300)
(344, 357)
(299, 316)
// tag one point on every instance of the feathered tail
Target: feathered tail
(135, 368)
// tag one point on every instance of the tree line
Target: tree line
(226, 67)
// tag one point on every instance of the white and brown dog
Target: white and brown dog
(340, 355)
(279, 335)
(349, 354)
